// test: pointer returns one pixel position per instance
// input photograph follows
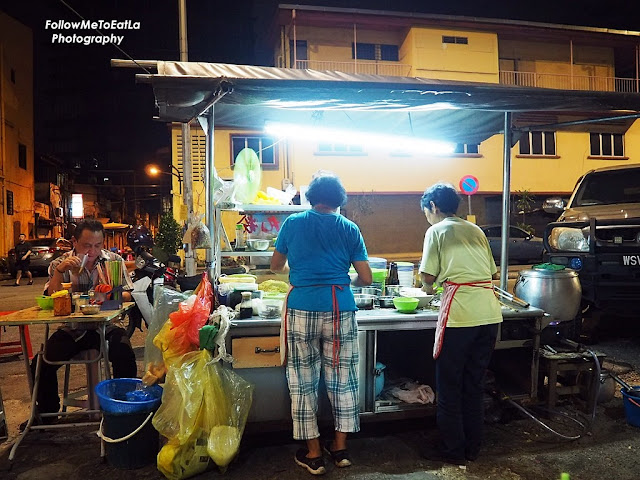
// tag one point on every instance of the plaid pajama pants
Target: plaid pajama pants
(310, 348)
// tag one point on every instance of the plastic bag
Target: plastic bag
(180, 334)
(165, 301)
(203, 403)
(195, 314)
(177, 461)
(197, 234)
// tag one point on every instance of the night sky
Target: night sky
(118, 129)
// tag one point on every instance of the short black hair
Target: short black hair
(89, 224)
(327, 189)
(443, 195)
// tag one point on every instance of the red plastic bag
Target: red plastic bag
(195, 315)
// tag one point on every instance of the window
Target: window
(456, 40)
(9, 202)
(22, 156)
(300, 54)
(374, 51)
(263, 146)
(340, 149)
(538, 143)
(466, 149)
(607, 145)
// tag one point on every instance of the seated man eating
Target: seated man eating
(66, 342)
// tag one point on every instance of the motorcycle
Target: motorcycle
(149, 271)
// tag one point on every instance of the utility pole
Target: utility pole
(190, 260)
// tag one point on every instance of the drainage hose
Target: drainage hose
(544, 425)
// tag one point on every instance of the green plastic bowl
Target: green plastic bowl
(45, 302)
(405, 304)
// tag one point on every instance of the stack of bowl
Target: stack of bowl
(405, 274)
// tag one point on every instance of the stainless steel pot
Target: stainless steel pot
(364, 301)
(371, 291)
(556, 292)
(386, 302)
(393, 290)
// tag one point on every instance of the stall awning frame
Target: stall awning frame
(246, 96)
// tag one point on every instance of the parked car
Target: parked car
(598, 235)
(43, 251)
(524, 247)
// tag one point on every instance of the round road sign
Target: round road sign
(469, 185)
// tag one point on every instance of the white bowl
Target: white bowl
(423, 298)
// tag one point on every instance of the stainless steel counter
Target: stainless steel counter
(379, 328)
(391, 319)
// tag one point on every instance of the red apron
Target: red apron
(450, 289)
(336, 325)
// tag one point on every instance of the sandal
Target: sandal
(341, 458)
(315, 466)
(30, 282)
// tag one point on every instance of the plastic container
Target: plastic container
(632, 405)
(240, 237)
(378, 262)
(379, 374)
(405, 274)
(270, 307)
(45, 302)
(112, 395)
(131, 440)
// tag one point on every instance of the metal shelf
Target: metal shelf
(264, 208)
(266, 253)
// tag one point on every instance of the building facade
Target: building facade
(16, 132)
(385, 184)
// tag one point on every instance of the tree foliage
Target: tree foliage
(169, 237)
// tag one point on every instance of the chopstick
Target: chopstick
(84, 262)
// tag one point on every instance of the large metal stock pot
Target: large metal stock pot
(556, 292)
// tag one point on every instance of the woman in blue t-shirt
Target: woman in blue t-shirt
(317, 247)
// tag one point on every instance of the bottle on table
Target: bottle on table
(246, 310)
(241, 237)
(392, 278)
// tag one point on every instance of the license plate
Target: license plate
(631, 260)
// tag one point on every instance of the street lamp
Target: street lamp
(153, 170)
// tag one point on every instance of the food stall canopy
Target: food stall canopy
(462, 112)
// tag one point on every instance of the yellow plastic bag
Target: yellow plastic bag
(204, 404)
(177, 461)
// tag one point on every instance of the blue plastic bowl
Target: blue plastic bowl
(125, 395)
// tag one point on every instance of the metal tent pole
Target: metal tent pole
(506, 202)
(187, 167)
(209, 179)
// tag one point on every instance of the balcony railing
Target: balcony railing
(393, 69)
(523, 79)
(570, 82)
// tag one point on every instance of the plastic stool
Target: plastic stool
(10, 348)
(93, 378)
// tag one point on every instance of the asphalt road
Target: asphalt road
(17, 298)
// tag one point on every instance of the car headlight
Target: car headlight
(569, 239)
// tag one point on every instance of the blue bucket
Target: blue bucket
(124, 396)
(632, 405)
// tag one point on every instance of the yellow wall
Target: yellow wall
(16, 101)
(430, 58)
